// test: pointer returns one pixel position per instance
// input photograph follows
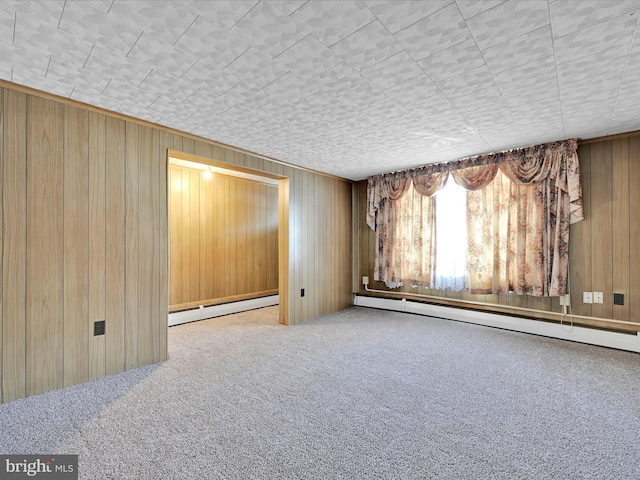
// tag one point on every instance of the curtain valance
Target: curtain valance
(557, 161)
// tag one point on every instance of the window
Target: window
(451, 237)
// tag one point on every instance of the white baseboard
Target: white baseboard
(565, 331)
(202, 313)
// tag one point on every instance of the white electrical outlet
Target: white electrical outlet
(565, 300)
(365, 281)
(587, 297)
(598, 297)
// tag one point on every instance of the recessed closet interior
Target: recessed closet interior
(223, 235)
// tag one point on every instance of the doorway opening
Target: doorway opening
(228, 239)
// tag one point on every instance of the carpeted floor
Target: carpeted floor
(357, 394)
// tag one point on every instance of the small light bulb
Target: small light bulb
(207, 175)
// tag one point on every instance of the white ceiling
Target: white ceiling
(347, 87)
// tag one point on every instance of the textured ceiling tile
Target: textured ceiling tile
(43, 14)
(246, 95)
(480, 102)
(159, 84)
(367, 46)
(524, 49)
(266, 27)
(78, 78)
(435, 33)
(364, 97)
(291, 86)
(48, 41)
(527, 75)
(21, 59)
(605, 66)
(507, 21)
(337, 81)
(7, 21)
(593, 39)
(536, 94)
(569, 17)
(467, 83)
(203, 40)
(112, 64)
(164, 20)
(415, 89)
(98, 27)
(221, 15)
(399, 14)
(307, 58)
(162, 56)
(255, 67)
(471, 8)
(392, 71)
(130, 94)
(332, 20)
(453, 61)
(574, 100)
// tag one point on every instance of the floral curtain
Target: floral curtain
(520, 205)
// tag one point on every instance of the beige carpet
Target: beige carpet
(361, 394)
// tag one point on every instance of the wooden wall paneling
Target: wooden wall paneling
(241, 236)
(97, 243)
(621, 219)
(633, 299)
(1, 224)
(239, 158)
(14, 246)
(185, 233)
(232, 233)
(203, 149)
(285, 258)
(273, 267)
(115, 208)
(602, 228)
(580, 241)
(216, 266)
(307, 195)
(163, 287)
(229, 156)
(295, 253)
(251, 221)
(76, 199)
(132, 244)
(44, 245)
(262, 238)
(225, 266)
(332, 276)
(157, 324)
(193, 228)
(177, 142)
(175, 235)
(218, 153)
(188, 145)
(208, 191)
(147, 240)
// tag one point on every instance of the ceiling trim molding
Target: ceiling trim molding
(606, 138)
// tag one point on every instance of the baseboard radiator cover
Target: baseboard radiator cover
(564, 331)
(212, 311)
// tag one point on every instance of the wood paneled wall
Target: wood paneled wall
(604, 248)
(85, 238)
(223, 237)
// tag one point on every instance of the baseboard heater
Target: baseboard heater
(564, 331)
(203, 312)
